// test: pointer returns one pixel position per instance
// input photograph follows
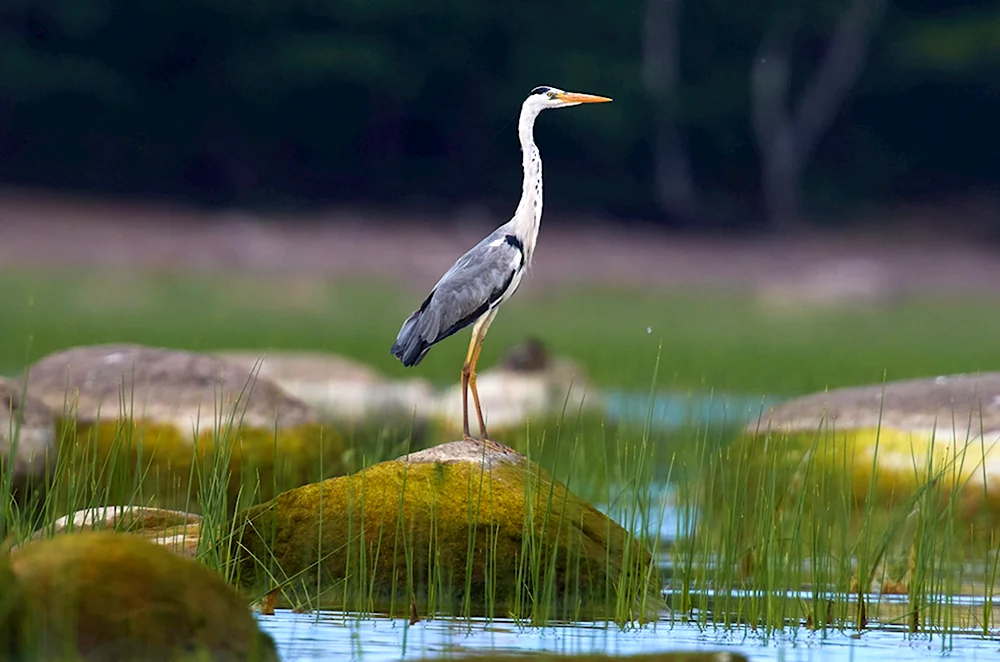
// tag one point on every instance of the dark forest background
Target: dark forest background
(771, 113)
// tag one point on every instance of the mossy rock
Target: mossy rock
(129, 410)
(10, 607)
(100, 596)
(257, 462)
(885, 445)
(457, 528)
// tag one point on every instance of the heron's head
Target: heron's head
(544, 96)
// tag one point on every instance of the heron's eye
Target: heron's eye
(552, 95)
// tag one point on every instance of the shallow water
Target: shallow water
(670, 410)
(336, 636)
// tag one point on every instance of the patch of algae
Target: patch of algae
(881, 468)
(259, 463)
(99, 596)
(446, 536)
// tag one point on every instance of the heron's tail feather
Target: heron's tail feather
(410, 347)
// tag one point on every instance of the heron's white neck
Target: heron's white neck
(529, 210)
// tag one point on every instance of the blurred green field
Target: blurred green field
(717, 341)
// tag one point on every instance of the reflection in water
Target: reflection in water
(340, 636)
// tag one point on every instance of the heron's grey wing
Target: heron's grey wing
(465, 293)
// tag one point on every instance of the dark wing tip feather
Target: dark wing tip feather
(410, 347)
(412, 353)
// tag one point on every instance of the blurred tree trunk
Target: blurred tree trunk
(673, 186)
(785, 140)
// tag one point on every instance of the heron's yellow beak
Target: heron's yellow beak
(576, 97)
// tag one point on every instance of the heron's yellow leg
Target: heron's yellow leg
(472, 384)
(469, 374)
(466, 373)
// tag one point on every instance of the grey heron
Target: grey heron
(471, 291)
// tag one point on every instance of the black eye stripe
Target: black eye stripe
(542, 89)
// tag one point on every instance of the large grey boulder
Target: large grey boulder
(939, 432)
(954, 407)
(27, 436)
(181, 415)
(338, 388)
(165, 385)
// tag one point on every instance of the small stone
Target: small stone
(531, 355)
(176, 530)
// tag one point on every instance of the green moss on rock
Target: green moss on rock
(456, 528)
(102, 596)
(879, 449)
(10, 607)
(258, 463)
(887, 465)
